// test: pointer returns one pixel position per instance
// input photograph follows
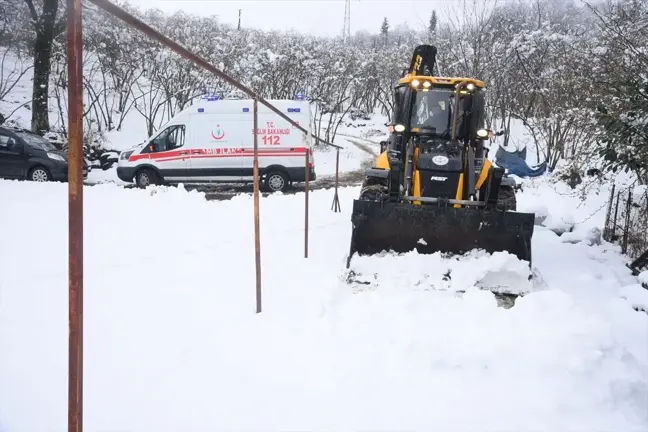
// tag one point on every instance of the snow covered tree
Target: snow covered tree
(384, 28)
(622, 61)
(432, 26)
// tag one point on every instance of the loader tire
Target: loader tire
(506, 200)
(374, 190)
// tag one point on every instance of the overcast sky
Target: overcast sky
(319, 17)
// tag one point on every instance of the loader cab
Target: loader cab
(424, 110)
(427, 104)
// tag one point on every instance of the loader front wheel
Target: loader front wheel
(506, 200)
(374, 189)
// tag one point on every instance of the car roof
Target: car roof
(16, 129)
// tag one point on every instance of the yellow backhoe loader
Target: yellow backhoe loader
(433, 189)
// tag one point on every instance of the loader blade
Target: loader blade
(404, 227)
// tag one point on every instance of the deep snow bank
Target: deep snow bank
(172, 342)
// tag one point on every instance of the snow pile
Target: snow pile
(500, 272)
(172, 342)
(637, 295)
(591, 236)
(643, 277)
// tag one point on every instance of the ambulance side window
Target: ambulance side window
(171, 138)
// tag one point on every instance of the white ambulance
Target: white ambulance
(213, 141)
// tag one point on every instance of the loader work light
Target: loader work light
(399, 128)
(482, 133)
(427, 84)
(416, 83)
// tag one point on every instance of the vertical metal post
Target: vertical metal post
(75, 209)
(616, 216)
(257, 234)
(626, 228)
(608, 215)
(336, 198)
(307, 161)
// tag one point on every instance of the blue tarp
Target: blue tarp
(515, 163)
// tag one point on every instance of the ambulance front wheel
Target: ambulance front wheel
(276, 181)
(146, 177)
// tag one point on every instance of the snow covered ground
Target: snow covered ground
(172, 341)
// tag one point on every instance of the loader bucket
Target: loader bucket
(404, 227)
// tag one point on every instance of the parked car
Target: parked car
(212, 141)
(25, 155)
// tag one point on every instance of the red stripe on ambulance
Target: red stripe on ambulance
(218, 153)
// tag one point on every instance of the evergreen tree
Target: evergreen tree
(433, 23)
(384, 28)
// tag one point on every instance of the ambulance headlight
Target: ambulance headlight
(399, 128)
(125, 155)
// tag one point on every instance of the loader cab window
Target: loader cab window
(433, 110)
(478, 111)
(401, 103)
(170, 138)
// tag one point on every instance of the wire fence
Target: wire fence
(626, 224)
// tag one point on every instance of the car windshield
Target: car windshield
(433, 109)
(36, 141)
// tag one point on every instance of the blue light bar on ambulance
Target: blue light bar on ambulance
(246, 109)
(299, 96)
(201, 109)
(294, 109)
(211, 98)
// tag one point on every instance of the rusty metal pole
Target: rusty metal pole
(257, 235)
(626, 228)
(75, 209)
(336, 198)
(307, 159)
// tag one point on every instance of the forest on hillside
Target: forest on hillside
(574, 73)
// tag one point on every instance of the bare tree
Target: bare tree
(47, 29)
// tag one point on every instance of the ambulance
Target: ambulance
(213, 141)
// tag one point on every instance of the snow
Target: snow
(637, 295)
(500, 271)
(643, 277)
(172, 341)
(590, 236)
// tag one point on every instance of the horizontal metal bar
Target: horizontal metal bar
(449, 201)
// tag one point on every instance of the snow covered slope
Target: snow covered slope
(172, 342)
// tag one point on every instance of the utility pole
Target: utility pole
(239, 23)
(346, 30)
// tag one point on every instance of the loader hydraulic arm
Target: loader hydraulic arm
(423, 61)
